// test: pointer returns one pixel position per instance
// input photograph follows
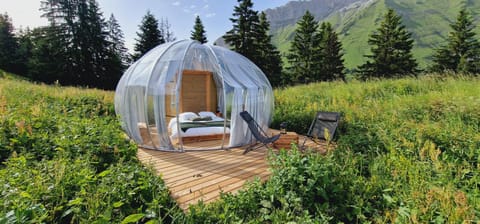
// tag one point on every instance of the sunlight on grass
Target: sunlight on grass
(408, 151)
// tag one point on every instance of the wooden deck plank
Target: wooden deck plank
(167, 163)
(235, 188)
(203, 183)
(202, 175)
(180, 175)
(206, 173)
(215, 190)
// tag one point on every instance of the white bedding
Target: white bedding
(200, 131)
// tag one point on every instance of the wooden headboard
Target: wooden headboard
(198, 93)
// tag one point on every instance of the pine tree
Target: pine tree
(149, 36)
(76, 43)
(117, 55)
(462, 51)
(96, 46)
(391, 50)
(48, 62)
(57, 42)
(198, 32)
(269, 59)
(304, 56)
(8, 44)
(242, 36)
(116, 40)
(24, 51)
(331, 54)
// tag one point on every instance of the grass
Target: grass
(65, 159)
(408, 151)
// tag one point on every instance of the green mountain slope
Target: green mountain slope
(428, 20)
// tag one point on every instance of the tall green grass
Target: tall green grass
(65, 159)
(408, 151)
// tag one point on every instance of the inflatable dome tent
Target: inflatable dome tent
(184, 95)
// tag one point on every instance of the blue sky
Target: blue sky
(214, 14)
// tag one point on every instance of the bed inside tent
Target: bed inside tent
(201, 125)
(167, 100)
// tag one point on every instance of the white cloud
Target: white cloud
(177, 3)
(206, 6)
(187, 10)
(208, 15)
(193, 6)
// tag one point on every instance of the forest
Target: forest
(80, 47)
(407, 147)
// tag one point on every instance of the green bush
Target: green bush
(70, 191)
(65, 159)
(407, 151)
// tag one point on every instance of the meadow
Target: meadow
(408, 150)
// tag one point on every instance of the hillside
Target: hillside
(407, 152)
(291, 12)
(428, 20)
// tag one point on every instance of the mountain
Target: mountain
(286, 16)
(355, 20)
(290, 13)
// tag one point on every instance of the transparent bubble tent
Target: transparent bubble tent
(184, 96)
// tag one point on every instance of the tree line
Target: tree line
(316, 53)
(77, 47)
(80, 47)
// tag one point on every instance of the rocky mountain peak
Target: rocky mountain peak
(291, 12)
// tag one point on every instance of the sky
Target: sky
(181, 14)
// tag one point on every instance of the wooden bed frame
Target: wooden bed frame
(186, 139)
(190, 139)
(197, 93)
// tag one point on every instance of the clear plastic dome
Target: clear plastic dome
(184, 95)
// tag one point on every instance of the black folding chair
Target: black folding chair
(257, 132)
(323, 121)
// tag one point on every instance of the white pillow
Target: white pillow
(207, 114)
(187, 116)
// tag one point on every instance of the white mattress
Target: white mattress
(200, 131)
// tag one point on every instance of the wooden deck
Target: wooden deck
(202, 175)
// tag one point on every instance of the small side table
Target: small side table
(285, 141)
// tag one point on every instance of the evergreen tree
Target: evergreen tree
(304, 56)
(391, 50)
(331, 52)
(149, 36)
(116, 40)
(117, 56)
(198, 32)
(462, 51)
(269, 59)
(57, 43)
(8, 45)
(24, 52)
(95, 48)
(76, 42)
(242, 36)
(48, 62)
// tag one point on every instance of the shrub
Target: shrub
(407, 151)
